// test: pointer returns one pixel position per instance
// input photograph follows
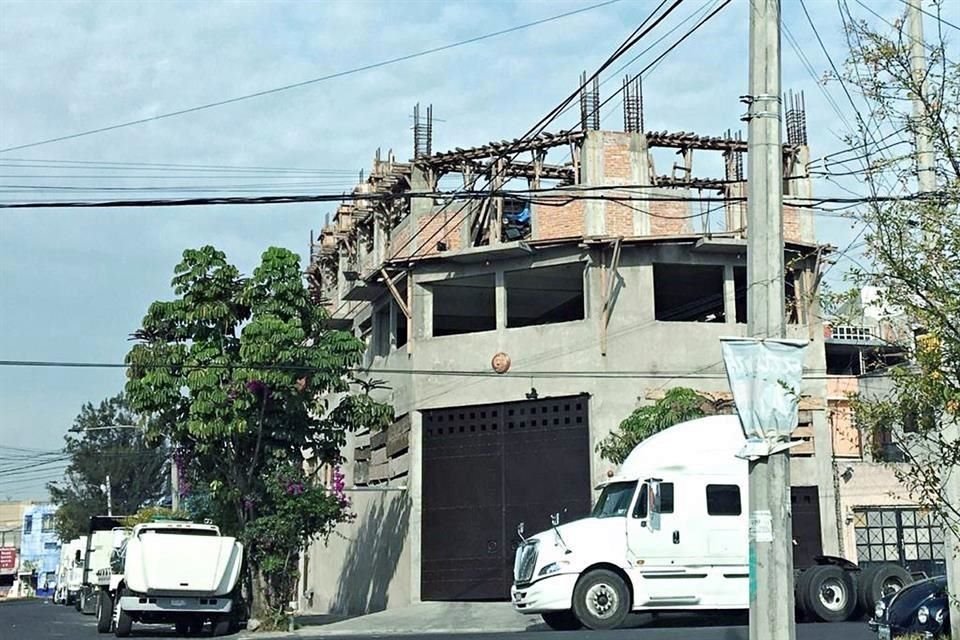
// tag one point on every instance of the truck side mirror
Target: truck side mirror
(653, 503)
(77, 557)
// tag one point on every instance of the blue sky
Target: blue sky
(75, 283)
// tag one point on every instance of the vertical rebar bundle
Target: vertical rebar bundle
(633, 105)
(422, 132)
(589, 104)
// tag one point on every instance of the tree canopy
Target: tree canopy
(231, 371)
(136, 469)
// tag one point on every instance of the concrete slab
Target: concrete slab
(426, 617)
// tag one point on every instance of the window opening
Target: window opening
(688, 293)
(464, 305)
(544, 295)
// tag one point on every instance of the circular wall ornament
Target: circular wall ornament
(500, 362)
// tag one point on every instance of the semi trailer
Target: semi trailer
(670, 532)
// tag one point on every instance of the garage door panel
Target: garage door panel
(485, 469)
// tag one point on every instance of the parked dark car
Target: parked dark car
(918, 609)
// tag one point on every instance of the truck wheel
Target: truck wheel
(561, 620)
(830, 594)
(601, 600)
(104, 612)
(221, 626)
(879, 581)
(124, 621)
(78, 601)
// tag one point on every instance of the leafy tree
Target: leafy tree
(677, 405)
(231, 370)
(914, 246)
(135, 468)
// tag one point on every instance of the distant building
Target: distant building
(40, 547)
(11, 521)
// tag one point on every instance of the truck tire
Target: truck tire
(880, 580)
(124, 621)
(800, 595)
(221, 626)
(78, 601)
(561, 620)
(601, 600)
(830, 594)
(104, 612)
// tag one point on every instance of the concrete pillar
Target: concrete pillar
(422, 310)
(729, 295)
(592, 174)
(640, 174)
(830, 530)
(415, 496)
(799, 186)
(500, 299)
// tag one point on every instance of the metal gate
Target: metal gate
(807, 537)
(487, 468)
(907, 536)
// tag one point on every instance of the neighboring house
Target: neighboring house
(40, 547)
(512, 335)
(11, 521)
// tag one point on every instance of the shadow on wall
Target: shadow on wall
(372, 556)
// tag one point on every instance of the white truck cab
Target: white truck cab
(177, 572)
(70, 572)
(668, 532)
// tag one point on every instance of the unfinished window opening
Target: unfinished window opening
(381, 331)
(688, 293)
(365, 334)
(400, 339)
(464, 305)
(791, 302)
(544, 295)
(516, 220)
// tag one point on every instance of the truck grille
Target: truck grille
(525, 562)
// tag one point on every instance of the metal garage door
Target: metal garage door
(907, 536)
(487, 468)
(807, 538)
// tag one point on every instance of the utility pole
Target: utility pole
(109, 498)
(174, 485)
(927, 183)
(771, 561)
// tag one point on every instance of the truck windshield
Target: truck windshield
(614, 500)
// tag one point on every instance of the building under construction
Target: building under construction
(514, 321)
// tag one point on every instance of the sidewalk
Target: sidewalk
(426, 617)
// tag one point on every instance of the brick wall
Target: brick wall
(558, 222)
(791, 223)
(669, 218)
(431, 229)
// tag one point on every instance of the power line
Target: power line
(935, 16)
(37, 163)
(339, 74)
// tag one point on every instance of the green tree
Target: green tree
(677, 405)
(136, 468)
(913, 245)
(231, 370)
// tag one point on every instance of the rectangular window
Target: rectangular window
(27, 524)
(544, 295)
(666, 500)
(381, 331)
(723, 500)
(50, 545)
(47, 523)
(688, 293)
(464, 305)
(400, 339)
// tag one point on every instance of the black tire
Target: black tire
(879, 581)
(830, 594)
(800, 594)
(221, 627)
(601, 600)
(124, 621)
(104, 612)
(78, 601)
(195, 627)
(561, 620)
(181, 627)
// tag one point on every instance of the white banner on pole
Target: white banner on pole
(765, 377)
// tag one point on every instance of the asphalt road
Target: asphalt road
(40, 620)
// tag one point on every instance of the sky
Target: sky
(74, 283)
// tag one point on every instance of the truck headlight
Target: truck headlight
(923, 614)
(938, 616)
(879, 610)
(553, 567)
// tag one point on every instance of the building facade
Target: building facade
(513, 329)
(40, 547)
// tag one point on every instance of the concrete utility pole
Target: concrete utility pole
(927, 183)
(109, 498)
(926, 177)
(174, 484)
(771, 562)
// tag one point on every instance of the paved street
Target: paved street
(39, 620)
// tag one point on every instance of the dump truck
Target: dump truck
(172, 572)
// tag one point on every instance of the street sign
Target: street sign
(8, 559)
(765, 377)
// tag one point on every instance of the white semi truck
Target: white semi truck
(176, 572)
(100, 542)
(669, 532)
(70, 572)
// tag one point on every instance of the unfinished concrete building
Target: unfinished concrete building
(513, 326)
